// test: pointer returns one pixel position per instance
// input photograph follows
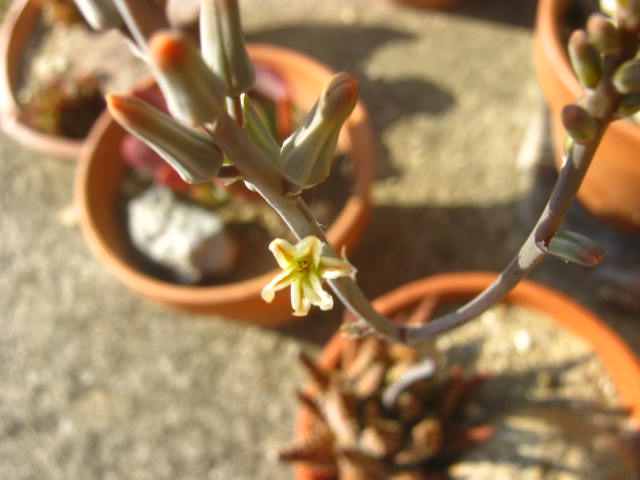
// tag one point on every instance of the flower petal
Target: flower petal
(299, 302)
(331, 267)
(309, 293)
(323, 299)
(284, 252)
(280, 281)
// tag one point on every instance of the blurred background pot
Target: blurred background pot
(101, 170)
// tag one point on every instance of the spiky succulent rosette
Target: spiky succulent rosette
(357, 435)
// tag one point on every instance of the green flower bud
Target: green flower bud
(259, 131)
(195, 95)
(626, 78)
(222, 44)
(585, 59)
(603, 34)
(306, 156)
(99, 14)
(579, 124)
(596, 103)
(576, 248)
(193, 155)
(629, 104)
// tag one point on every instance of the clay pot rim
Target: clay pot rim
(618, 359)
(353, 213)
(548, 18)
(14, 32)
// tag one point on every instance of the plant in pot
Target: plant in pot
(55, 112)
(376, 409)
(214, 123)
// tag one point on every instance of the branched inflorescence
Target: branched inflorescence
(213, 125)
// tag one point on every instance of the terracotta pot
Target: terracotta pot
(429, 3)
(617, 358)
(101, 170)
(611, 189)
(15, 32)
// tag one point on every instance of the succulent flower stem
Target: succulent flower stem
(259, 171)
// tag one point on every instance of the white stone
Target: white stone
(186, 238)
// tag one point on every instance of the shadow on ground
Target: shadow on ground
(518, 13)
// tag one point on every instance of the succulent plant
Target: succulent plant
(65, 105)
(365, 428)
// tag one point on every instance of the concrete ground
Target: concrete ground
(97, 383)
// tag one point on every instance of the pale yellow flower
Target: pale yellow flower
(304, 268)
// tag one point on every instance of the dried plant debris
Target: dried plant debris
(356, 435)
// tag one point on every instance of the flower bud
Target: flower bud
(585, 59)
(306, 156)
(259, 131)
(194, 94)
(603, 34)
(574, 247)
(629, 104)
(193, 155)
(223, 47)
(626, 78)
(596, 103)
(99, 14)
(579, 124)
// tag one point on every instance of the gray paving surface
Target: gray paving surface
(99, 384)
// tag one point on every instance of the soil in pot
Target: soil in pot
(555, 409)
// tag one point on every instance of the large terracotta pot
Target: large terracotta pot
(611, 189)
(17, 27)
(101, 170)
(616, 356)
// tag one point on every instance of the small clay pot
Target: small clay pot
(611, 188)
(101, 170)
(617, 358)
(17, 27)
